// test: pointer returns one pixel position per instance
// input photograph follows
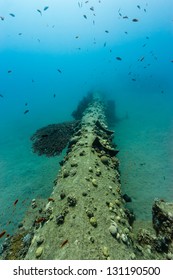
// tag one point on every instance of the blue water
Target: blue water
(34, 46)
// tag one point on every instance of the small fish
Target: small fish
(9, 71)
(142, 58)
(26, 111)
(147, 37)
(2, 233)
(39, 12)
(2, 18)
(59, 71)
(16, 201)
(106, 31)
(1, 95)
(118, 58)
(51, 199)
(63, 243)
(144, 45)
(86, 2)
(138, 7)
(125, 17)
(92, 8)
(26, 104)
(172, 61)
(135, 20)
(125, 32)
(54, 95)
(39, 220)
(104, 44)
(45, 8)
(120, 14)
(93, 22)
(85, 16)
(77, 37)
(19, 33)
(134, 80)
(12, 15)
(145, 10)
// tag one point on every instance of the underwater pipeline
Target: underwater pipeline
(86, 216)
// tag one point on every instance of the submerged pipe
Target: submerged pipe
(85, 217)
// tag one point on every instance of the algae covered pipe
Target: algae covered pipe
(85, 217)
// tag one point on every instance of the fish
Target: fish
(26, 104)
(26, 111)
(93, 22)
(118, 58)
(54, 95)
(104, 44)
(125, 32)
(51, 199)
(39, 12)
(77, 37)
(85, 16)
(135, 20)
(2, 18)
(134, 80)
(63, 243)
(92, 8)
(59, 71)
(106, 31)
(125, 17)
(12, 15)
(20, 33)
(2, 233)
(1, 95)
(16, 201)
(172, 61)
(39, 220)
(145, 10)
(142, 58)
(144, 45)
(45, 8)
(9, 71)
(138, 7)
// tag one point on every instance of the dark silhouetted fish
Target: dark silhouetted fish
(118, 58)
(26, 104)
(93, 22)
(59, 71)
(85, 16)
(45, 8)
(1, 95)
(39, 12)
(16, 201)
(92, 8)
(77, 37)
(104, 44)
(12, 15)
(106, 31)
(125, 32)
(19, 34)
(145, 10)
(138, 7)
(54, 95)
(172, 61)
(125, 17)
(141, 59)
(135, 20)
(26, 111)
(2, 18)
(134, 80)
(9, 71)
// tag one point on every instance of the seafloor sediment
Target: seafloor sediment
(86, 216)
